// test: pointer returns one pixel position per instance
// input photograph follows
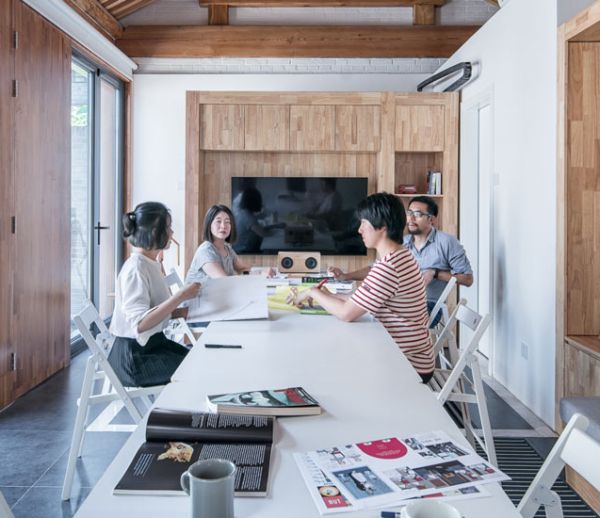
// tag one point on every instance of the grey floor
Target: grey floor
(35, 434)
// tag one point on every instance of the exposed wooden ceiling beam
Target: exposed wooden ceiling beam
(218, 15)
(423, 15)
(321, 3)
(121, 8)
(98, 16)
(293, 41)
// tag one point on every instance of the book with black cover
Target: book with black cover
(280, 402)
(176, 439)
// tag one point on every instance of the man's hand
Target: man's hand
(428, 276)
(299, 299)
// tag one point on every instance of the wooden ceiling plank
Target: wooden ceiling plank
(98, 16)
(322, 3)
(130, 7)
(294, 41)
(218, 15)
(423, 14)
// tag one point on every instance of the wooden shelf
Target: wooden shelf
(587, 343)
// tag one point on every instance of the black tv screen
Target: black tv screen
(297, 214)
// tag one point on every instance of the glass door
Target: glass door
(96, 186)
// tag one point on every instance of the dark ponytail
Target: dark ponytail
(147, 226)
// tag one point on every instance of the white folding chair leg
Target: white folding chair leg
(78, 432)
(484, 417)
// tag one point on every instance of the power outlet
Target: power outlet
(525, 350)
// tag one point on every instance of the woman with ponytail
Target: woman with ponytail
(142, 355)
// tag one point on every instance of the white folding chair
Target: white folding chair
(179, 326)
(451, 379)
(5, 511)
(112, 392)
(440, 305)
(574, 448)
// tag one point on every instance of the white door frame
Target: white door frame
(470, 201)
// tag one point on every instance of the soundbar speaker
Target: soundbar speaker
(299, 262)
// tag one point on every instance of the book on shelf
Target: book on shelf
(434, 182)
(176, 439)
(280, 402)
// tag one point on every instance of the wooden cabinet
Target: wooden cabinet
(35, 213)
(420, 128)
(312, 128)
(266, 127)
(357, 128)
(388, 138)
(222, 127)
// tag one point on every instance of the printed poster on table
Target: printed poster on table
(386, 471)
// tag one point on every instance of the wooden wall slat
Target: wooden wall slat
(42, 190)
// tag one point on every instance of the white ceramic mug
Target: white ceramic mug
(210, 484)
(430, 509)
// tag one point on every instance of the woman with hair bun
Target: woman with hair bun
(142, 355)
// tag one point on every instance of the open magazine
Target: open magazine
(385, 472)
(277, 301)
(176, 439)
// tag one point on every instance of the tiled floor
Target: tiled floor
(36, 431)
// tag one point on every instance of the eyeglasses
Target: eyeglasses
(416, 213)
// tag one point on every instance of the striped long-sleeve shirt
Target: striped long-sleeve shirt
(394, 293)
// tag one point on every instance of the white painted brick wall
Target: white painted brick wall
(287, 66)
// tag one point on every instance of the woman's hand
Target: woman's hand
(269, 272)
(189, 291)
(299, 299)
(337, 273)
(180, 313)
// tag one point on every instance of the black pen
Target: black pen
(222, 346)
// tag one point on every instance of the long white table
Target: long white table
(367, 389)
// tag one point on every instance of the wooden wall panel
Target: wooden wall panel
(420, 128)
(583, 191)
(582, 372)
(357, 128)
(312, 128)
(266, 127)
(222, 127)
(7, 244)
(42, 187)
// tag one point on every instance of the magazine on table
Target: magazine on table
(280, 402)
(277, 301)
(176, 439)
(385, 472)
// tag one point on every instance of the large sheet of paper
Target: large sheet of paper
(239, 297)
(385, 472)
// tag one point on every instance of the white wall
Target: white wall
(515, 56)
(159, 123)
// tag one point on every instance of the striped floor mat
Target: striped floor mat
(521, 462)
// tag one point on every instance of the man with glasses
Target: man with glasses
(439, 255)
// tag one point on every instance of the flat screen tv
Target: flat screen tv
(297, 214)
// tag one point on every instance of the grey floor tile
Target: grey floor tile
(27, 454)
(99, 449)
(542, 445)
(12, 494)
(45, 502)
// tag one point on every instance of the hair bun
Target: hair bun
(131, 216)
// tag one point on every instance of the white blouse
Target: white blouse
(140, 287)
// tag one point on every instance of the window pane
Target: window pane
(81, 161)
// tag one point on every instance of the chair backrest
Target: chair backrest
(100, 343)
(574, 448)
(173, 279)
(441, 301)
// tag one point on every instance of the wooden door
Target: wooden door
(357, 128)
(222, 127)
(312, 128)
(42, 199)
(420, 128)
(6, 200)
(266, 127)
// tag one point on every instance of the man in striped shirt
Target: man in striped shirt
(393, 291)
